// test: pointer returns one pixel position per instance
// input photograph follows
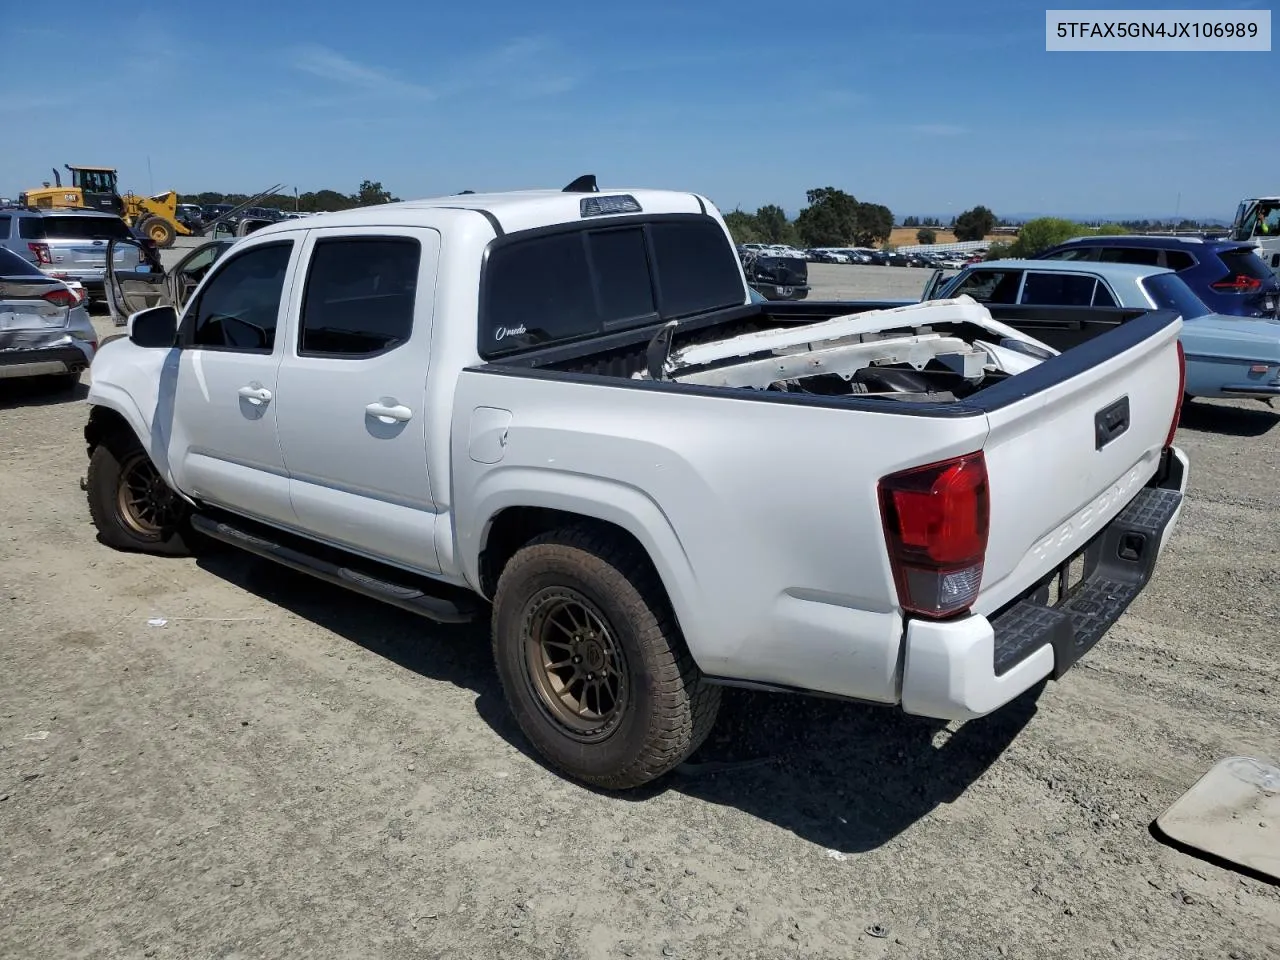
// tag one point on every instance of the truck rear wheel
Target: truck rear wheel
(130, 503)
(592, 661)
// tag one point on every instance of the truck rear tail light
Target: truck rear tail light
(62, 297)
(41, 250)
(1182, 392)
(1240, 283)
(936, 520)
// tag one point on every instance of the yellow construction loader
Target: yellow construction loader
(96, 188)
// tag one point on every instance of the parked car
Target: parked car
(44, 327)
(67, 244)
(139, 280)
(1226, 356)
(602, 462)
(778, 277)
(1227, 275)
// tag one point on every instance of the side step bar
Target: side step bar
(409, 597)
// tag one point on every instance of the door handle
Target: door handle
(254, 394)
(388, 412)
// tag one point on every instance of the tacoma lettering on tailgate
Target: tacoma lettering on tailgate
(1085, 523)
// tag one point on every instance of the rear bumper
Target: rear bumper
(43, 361)
(965, 668)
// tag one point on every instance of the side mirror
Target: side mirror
(155, 327)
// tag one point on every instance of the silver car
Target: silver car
(67, 244)
(44, 327)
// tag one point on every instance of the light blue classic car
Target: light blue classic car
(1226, 356)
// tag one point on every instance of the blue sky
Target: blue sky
(928, 107)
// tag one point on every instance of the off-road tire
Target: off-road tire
(160, 230)
(668, 710)
(108, 466)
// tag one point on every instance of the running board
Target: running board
(407, 595)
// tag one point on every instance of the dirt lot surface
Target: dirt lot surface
(214, 757)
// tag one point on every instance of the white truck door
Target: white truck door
(353, 387)
(223, 445)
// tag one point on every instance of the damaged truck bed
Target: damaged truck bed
(936, 351)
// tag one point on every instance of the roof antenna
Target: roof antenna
(584, 184)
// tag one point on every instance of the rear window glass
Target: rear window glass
(12, 265)
(1145, 256)
(1058, 289)
(565, 286)
(74, 228)
(623, 284)
(1170, 292)
(696, 268)
(1245, 262)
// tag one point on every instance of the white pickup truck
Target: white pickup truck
(563, 410)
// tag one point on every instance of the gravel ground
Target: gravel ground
(279, 770)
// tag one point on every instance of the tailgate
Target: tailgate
(78, 256)
(1072, 446)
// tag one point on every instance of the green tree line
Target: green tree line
(835, 218)
(370, 192)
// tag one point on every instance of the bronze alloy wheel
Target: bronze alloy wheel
(574, 664)
(146, 504)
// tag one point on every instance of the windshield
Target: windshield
(1257, 219)
(1170, 292)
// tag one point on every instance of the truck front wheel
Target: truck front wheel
(592, 661)
(131, 505)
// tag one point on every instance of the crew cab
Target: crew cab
(565, 412)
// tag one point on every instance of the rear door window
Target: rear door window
(360, 295)
(5, 224)
(1145, 256)
(1073, 253)
(1178, 260)
(1058, 289)
(1102, 296)
(990, 286)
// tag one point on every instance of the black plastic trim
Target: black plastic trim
(365, 577)
(1117, 565)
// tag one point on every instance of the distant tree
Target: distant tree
(1111, 230)
(771, 220)
(911, 221)
(371, 193)
(1042, 233)
(974, 224)
(830, 219)
(874, 224)
(743, 227)
(998, 251)
(926, 236)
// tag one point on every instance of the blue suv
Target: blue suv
(1227, 275)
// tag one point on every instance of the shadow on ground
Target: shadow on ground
(1208, 417)
(39, 392)
(846, 776)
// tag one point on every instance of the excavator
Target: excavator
(96, 188)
